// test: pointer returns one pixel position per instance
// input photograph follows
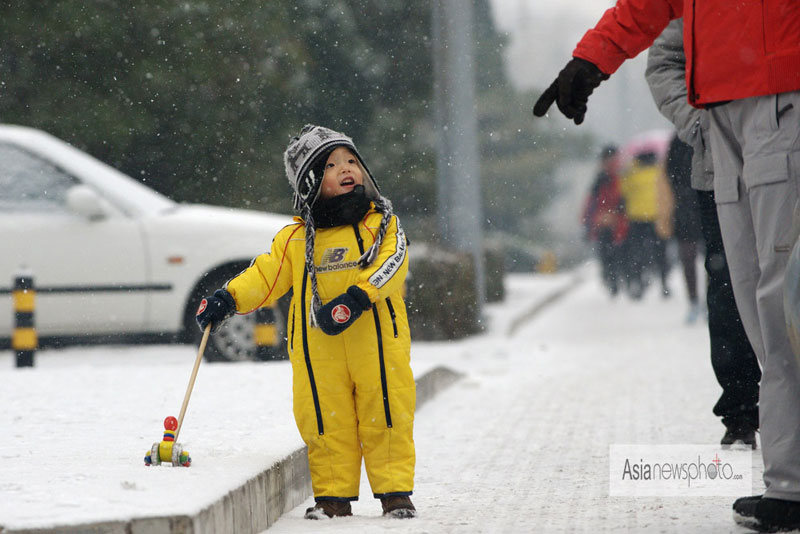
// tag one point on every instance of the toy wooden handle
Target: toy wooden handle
(197, 361)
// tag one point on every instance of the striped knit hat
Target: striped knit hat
(304, 160)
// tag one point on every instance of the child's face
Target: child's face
(342, 173)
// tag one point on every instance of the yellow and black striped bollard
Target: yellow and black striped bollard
(24, 340)
(265, 335)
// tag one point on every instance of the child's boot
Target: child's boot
(326, 509)
(398, 506)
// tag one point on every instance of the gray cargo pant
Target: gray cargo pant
(755, 144)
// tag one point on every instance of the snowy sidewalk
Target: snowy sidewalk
(520, 444)
(74, 429)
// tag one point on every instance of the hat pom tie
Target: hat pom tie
(316, 304)
(369, 256)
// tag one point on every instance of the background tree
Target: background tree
(199, 100)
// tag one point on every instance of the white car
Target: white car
(112, 259)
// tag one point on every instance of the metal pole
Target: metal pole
(440, 124)
(458, 162)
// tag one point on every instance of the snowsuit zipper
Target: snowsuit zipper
(376, 317)
(303, 316)
(693, 96)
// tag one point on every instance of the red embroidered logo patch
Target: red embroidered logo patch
(203, 305)
(340, 313)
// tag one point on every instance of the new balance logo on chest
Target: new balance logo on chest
(333, 260)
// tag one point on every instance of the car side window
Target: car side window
(29, 183)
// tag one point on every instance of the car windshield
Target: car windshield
(42, 168)
(28, 183)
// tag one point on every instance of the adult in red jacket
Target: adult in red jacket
(743, 65)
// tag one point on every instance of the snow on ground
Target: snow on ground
(519, 445)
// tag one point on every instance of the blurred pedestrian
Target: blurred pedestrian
(354, 391)
(605, 224)
(743, 66)
(685, 218)
(646, 245)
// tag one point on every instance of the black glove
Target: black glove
(334, 317)
(571, 89)
(215, 310)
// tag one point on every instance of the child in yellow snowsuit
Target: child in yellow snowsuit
(346, 259)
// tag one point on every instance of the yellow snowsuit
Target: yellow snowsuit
(639, 188)
(354, 393)
(648, 197)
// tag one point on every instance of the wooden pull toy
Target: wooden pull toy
(167, 451)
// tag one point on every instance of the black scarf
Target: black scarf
(348, 208)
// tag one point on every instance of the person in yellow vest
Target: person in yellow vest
(346, 259)
(647, 198)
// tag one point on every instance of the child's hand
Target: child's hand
(215, 309)
(334, 317)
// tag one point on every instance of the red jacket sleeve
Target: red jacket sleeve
(625, 30)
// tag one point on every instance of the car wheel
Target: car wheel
(234, 340)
